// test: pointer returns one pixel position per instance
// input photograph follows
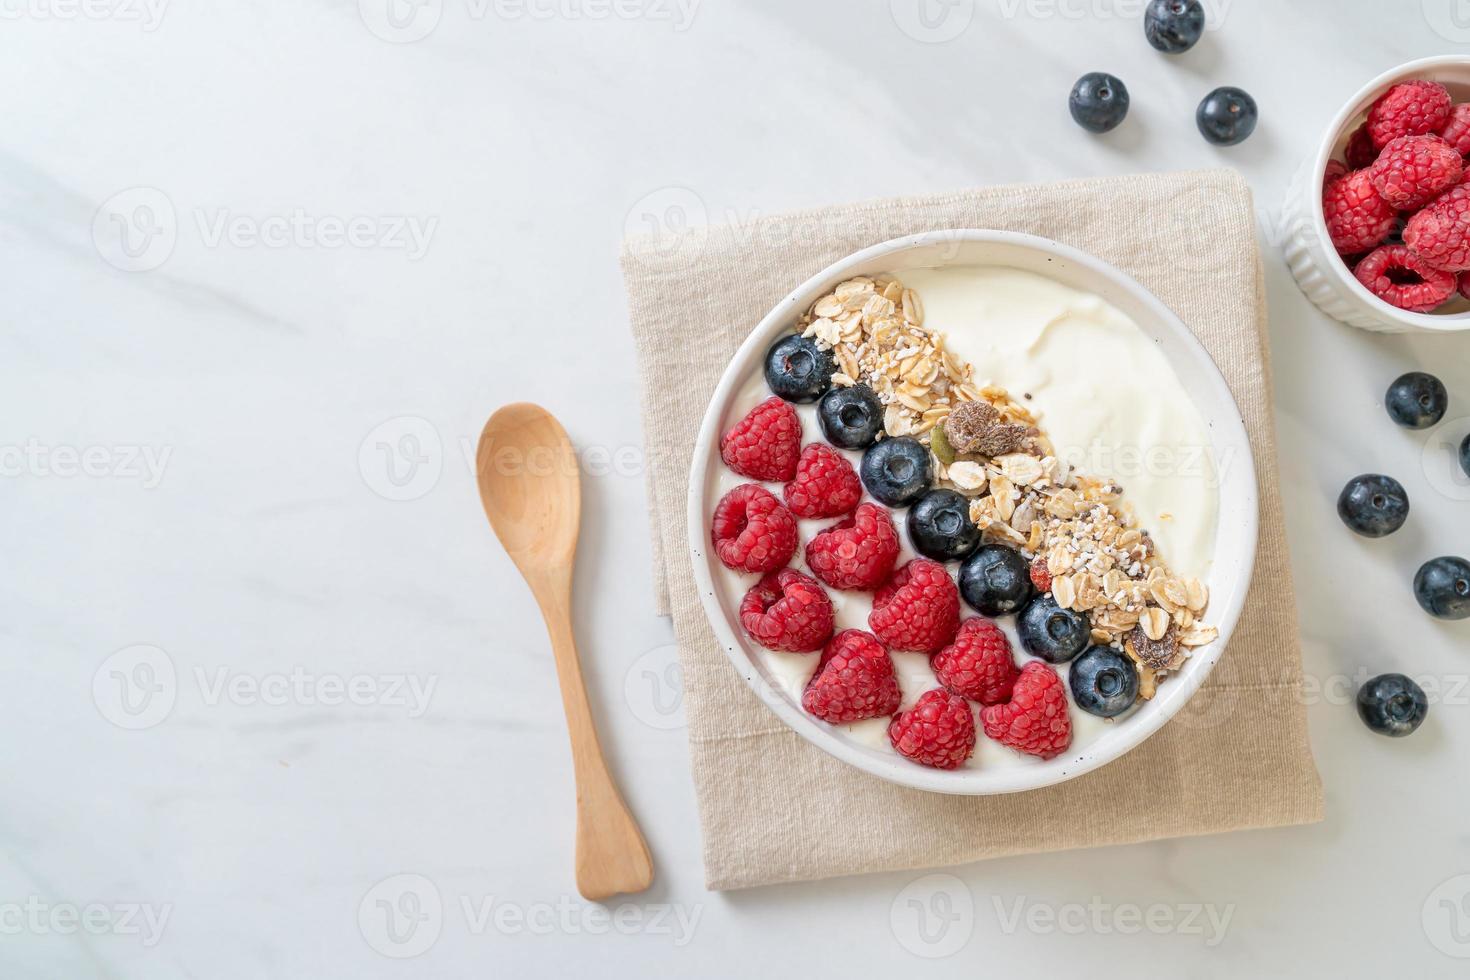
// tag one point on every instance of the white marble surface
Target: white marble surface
(232, 400)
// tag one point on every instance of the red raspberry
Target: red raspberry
(752, 531)
(858, 553)
(1335, 171)
(1041, 575)
(1440, 234)
(1408, 109)
(1412, 170)
(764, 445)
(1456, 132)
(938, 731)
(978, 664)
(1357, 218)
(854, 680)
(787, 611)
(1035, 720)
(1400, 278)
(918, 609)
(826, 485)
(1360, 152)
(1465, 284)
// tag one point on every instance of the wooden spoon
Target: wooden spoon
(530, 490)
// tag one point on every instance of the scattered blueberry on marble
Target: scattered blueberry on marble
(1174, 26)
(851, 417)
(996, 580)
(1373, 505)
(798, 370)
(1392, 705)
(1099, 102)
(1227, 116)
(1103, 682)
(897, 471)
(1417, 400)
(940, 526)
(1442, 587)
(1052, 633)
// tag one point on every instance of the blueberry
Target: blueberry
(896, 471)
(940, 526)
(1174, 26)
(996, 580)
(1373, 505)
(1226, 116)
(1103, 682)
(1465, 455)
(1417, 400)
(1099, 102)
(1392, 705)
(1052, 633)
(798, 370)
(1443, 588)
(851, 417)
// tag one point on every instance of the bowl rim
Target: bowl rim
(1429, 322)
(894, 768)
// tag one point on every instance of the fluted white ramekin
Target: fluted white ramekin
(1308, 251)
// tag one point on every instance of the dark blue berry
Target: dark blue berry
(896, 471)
(1099, 102)
(1392, 705)
(1465, 455)
(1417, 400)
(798, 370)
(851, 417)
(1443, 588)
(1052, 633)
(1174, 26)
(1227, 116)
(1373, 505)
(1103, 682)
(940, 526)
(996, 580)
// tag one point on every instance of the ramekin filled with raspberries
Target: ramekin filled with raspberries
(1378, 221)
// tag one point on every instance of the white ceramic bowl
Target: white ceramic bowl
(1235, 544)
(1308, 251)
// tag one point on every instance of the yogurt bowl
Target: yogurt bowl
(1005, 283)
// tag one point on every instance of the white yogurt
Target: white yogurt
(1033, 336)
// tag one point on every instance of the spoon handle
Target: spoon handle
(612, 857)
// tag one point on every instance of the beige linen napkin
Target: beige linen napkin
(773, 807)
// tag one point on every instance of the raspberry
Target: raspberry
(1360, 152)
(918, 609)
(1035, 720)
(938, 731)
(752, 531)
(826, 485)
(1336, 170)
(1440, 234)
(858, 553)
(1357, 218)
(854, 680)
(787, 611)
(764, 445)
(978, 664)
(1412, 170)
(1465, 292)
(1408, 109)
(1400, 278)
(1041, 576)
(1456, 132)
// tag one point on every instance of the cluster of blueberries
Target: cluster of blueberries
(994, 580)
(1375, 505)
(1225, 117)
